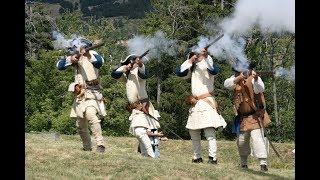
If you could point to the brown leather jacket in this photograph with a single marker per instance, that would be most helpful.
(250, 106)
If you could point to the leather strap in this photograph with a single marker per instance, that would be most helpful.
(202, 96)
(210, 103)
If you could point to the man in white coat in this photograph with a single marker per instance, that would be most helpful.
(143, 114)
(86, 106)
(203, 113)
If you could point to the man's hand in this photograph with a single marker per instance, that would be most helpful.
(193, 58)
(128, 67)
(85, 53)
(74, 58)
(160, 134)
(139, 62)
(204, 53)
(255, 75)
(239, 78)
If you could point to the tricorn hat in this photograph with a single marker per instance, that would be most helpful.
(71, 86)
(129, 59)
(76, 43)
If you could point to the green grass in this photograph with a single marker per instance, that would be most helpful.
(62, 158)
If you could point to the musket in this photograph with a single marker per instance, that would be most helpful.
(145, 53)
(214, 41)
(265, 134)
(259, 73)
(90, 48)
(140, 57)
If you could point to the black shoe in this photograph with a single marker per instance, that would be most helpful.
(87, 149)
(211, 161)
(199, 160)
(244, 166)
(263, 168)
(101, 148)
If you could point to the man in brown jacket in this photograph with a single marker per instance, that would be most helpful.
(251, 115)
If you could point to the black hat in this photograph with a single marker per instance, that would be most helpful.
(76, 43)
(252, 66)
(85, 43)
(129, 59)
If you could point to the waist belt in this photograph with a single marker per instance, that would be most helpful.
(93, 82)
(141, 105)
(202, 96)
(247, 114)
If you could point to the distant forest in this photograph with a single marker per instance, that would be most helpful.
(102, 8)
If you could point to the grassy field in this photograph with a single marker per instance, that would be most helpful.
(62, 158)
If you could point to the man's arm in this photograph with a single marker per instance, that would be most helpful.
(156, 134)
(184, 69)
(118, 72)
(96, 59)
(258, 85)
(142, 70)
(212, 67)
(229, 83)
(64, 63)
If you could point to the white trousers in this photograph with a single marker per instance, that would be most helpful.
(82, 126)
(144, 141)
(209, 133)
(258, 145)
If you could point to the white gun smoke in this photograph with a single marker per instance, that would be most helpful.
(157, 45)
(225, 48)
(267, 15)
(70, 45)
(288, 74)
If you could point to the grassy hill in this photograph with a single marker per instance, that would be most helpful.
(62, 158)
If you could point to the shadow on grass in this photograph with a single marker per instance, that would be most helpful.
(265, 174)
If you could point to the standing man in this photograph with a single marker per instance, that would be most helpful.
(203, 111)
(143, 115)
(85, 108)
(251, 115)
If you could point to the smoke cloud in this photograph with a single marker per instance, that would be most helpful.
(288, 74)
(269, 15)
(70, 45)
(227, 48)
(157, 45)
(266, 15)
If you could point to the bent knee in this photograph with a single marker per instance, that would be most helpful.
(140, 132)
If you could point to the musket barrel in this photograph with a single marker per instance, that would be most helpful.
(90, 48)
(95, 46)
(214, 41)
(145, 53)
